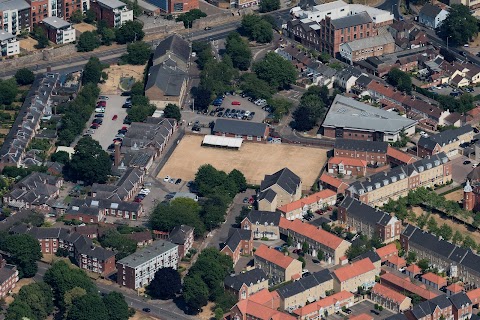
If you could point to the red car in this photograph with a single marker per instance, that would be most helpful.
(236, 103)
(124, 128)
(102, 103)
(115, 117)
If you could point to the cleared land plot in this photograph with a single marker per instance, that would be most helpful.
(116, 73)
(253, 159)
(455, 196)
(82, 27)
(28, 44)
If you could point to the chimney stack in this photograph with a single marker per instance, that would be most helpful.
(117, 155)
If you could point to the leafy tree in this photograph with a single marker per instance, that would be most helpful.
(217, 76)
(77, 16)
(275, 70)
(19, 310)
(218, 313)
(432, 225)
(88, 307)
(269, 5)
(108, 36)
(256, 88)
(36, 299)
(179, 211)
(24, 76)
(172, 111)
(130, 31)
(445, 231)
(195, 292)
(238, 50)
(311, 109)
(423, 264)
(305, 247)
(400, 79)
(468, 242)
(302, 260)
(60, 156)
(8, 91)
(139, 113)
(202, 96)
(226, 300)
(116, 305)
(90, 16)
(71, 295)
(24, 251)
(457, 237)
(88, 41)
(320, 255)
(137, 89)
(204, 55)
(256, 28)
(165, 285)
(459, 26)
(280, 107)
(411, 257)
(41, 37)
(138, 53)
(188, 17)
(120, 243)
(90, 163)
(93, 71)
(239, 179)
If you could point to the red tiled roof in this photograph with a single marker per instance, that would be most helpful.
(397, 261)
(400, 155)
(386, 292)
(307, 230)
(324, 194)
(324, 303)
(413, 268)
(474, 296)
(348, 161)
(354, 270)
(474, 112)
(432, 277)
(266, 298)
(387, 251)
(362, 316)
(253, 309)
(273, 256)
(455, 288)
(331, 180)
(407, 285)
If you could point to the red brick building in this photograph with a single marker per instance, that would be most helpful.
(250, 131)
(114, 12)
(373, 152)
(239, 242)
(183, 237)
(8, 277)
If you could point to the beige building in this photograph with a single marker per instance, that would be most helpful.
(278, 267)
(448, 141)
(317, 239)
(389, 298)
(358, 274)
(264, 224)
(305, 290)
(278, 189)
(319, 200)
(377, 189)
(362, 49)
(328, 306)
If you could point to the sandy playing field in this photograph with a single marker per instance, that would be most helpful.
(82, 27)
(116, 72)
(255, 160)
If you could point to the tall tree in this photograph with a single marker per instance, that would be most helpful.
(90, 163)
(121, 244)
(179, 211)
(8, 91)
(130, 31)
(24, 251)
(239, 179)
(88, 307)
(93, 71)
(88, 41)
(188, 17)
(460, 26)
(237, 48)
(172, 111)
(400, 79)
(138, 53)
(165, 284)
(277, 71)
(269, 5)
(24, 76)
(116, 305)
(256, 88)
(195, 293)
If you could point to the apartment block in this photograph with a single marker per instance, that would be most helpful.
(358, 274)
(138, 269)
(377, 189)
(317, 239)
(362, 218)
(443, 255)
(373, 152)
(115, 12)
(176, 7)
(305, 290)
(9, 45)
(278, 267)
(14, 16)
(58, 30)
(8, 277)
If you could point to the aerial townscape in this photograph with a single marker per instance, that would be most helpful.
(239, 160)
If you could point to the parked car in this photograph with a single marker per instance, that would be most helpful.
(90, 131)
(115, 117)
(212, 113)
(127, 105)
(207, 28)
(99, 115)
(166, 179)
(103, 98)
(178, 181)
(236, 103)
(126, 94)
(102, 103)
(172, 180)
(94, 126)
(220, 114)
(127, 121)
(467, 162)
(99, 121)
(245, 200)
(100, 110)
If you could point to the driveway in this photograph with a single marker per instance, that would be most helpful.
(460, 170)
(107, 131)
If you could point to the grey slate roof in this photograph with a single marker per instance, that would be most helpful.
(365, 43)
(372, 255)
(112, 4)
(360, 145)
(353, 20)
(4, 35)
(303, 284)
(169, 80)
(398, 316)
(56, 22)
(174, 44)
(284, 178)
(92, 206)
(365, 213)
(248, 278)
(268, 195)
(381, 179)
(7, 272)
(363, 81)
(235, 236)
(444, 138)
(460, 299)
(427, 308)
(179, 234)
(13, 5)
(145, 254)
(349, 113)
(430, 10)
(240, 127)
(264, 217)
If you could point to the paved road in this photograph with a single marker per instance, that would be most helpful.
(162, 309)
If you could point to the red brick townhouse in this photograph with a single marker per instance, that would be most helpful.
(239, 242)
(8, 277)
(250, 131)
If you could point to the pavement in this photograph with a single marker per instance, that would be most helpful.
(109, 128)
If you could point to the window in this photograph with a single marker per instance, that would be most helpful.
(259, 138)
